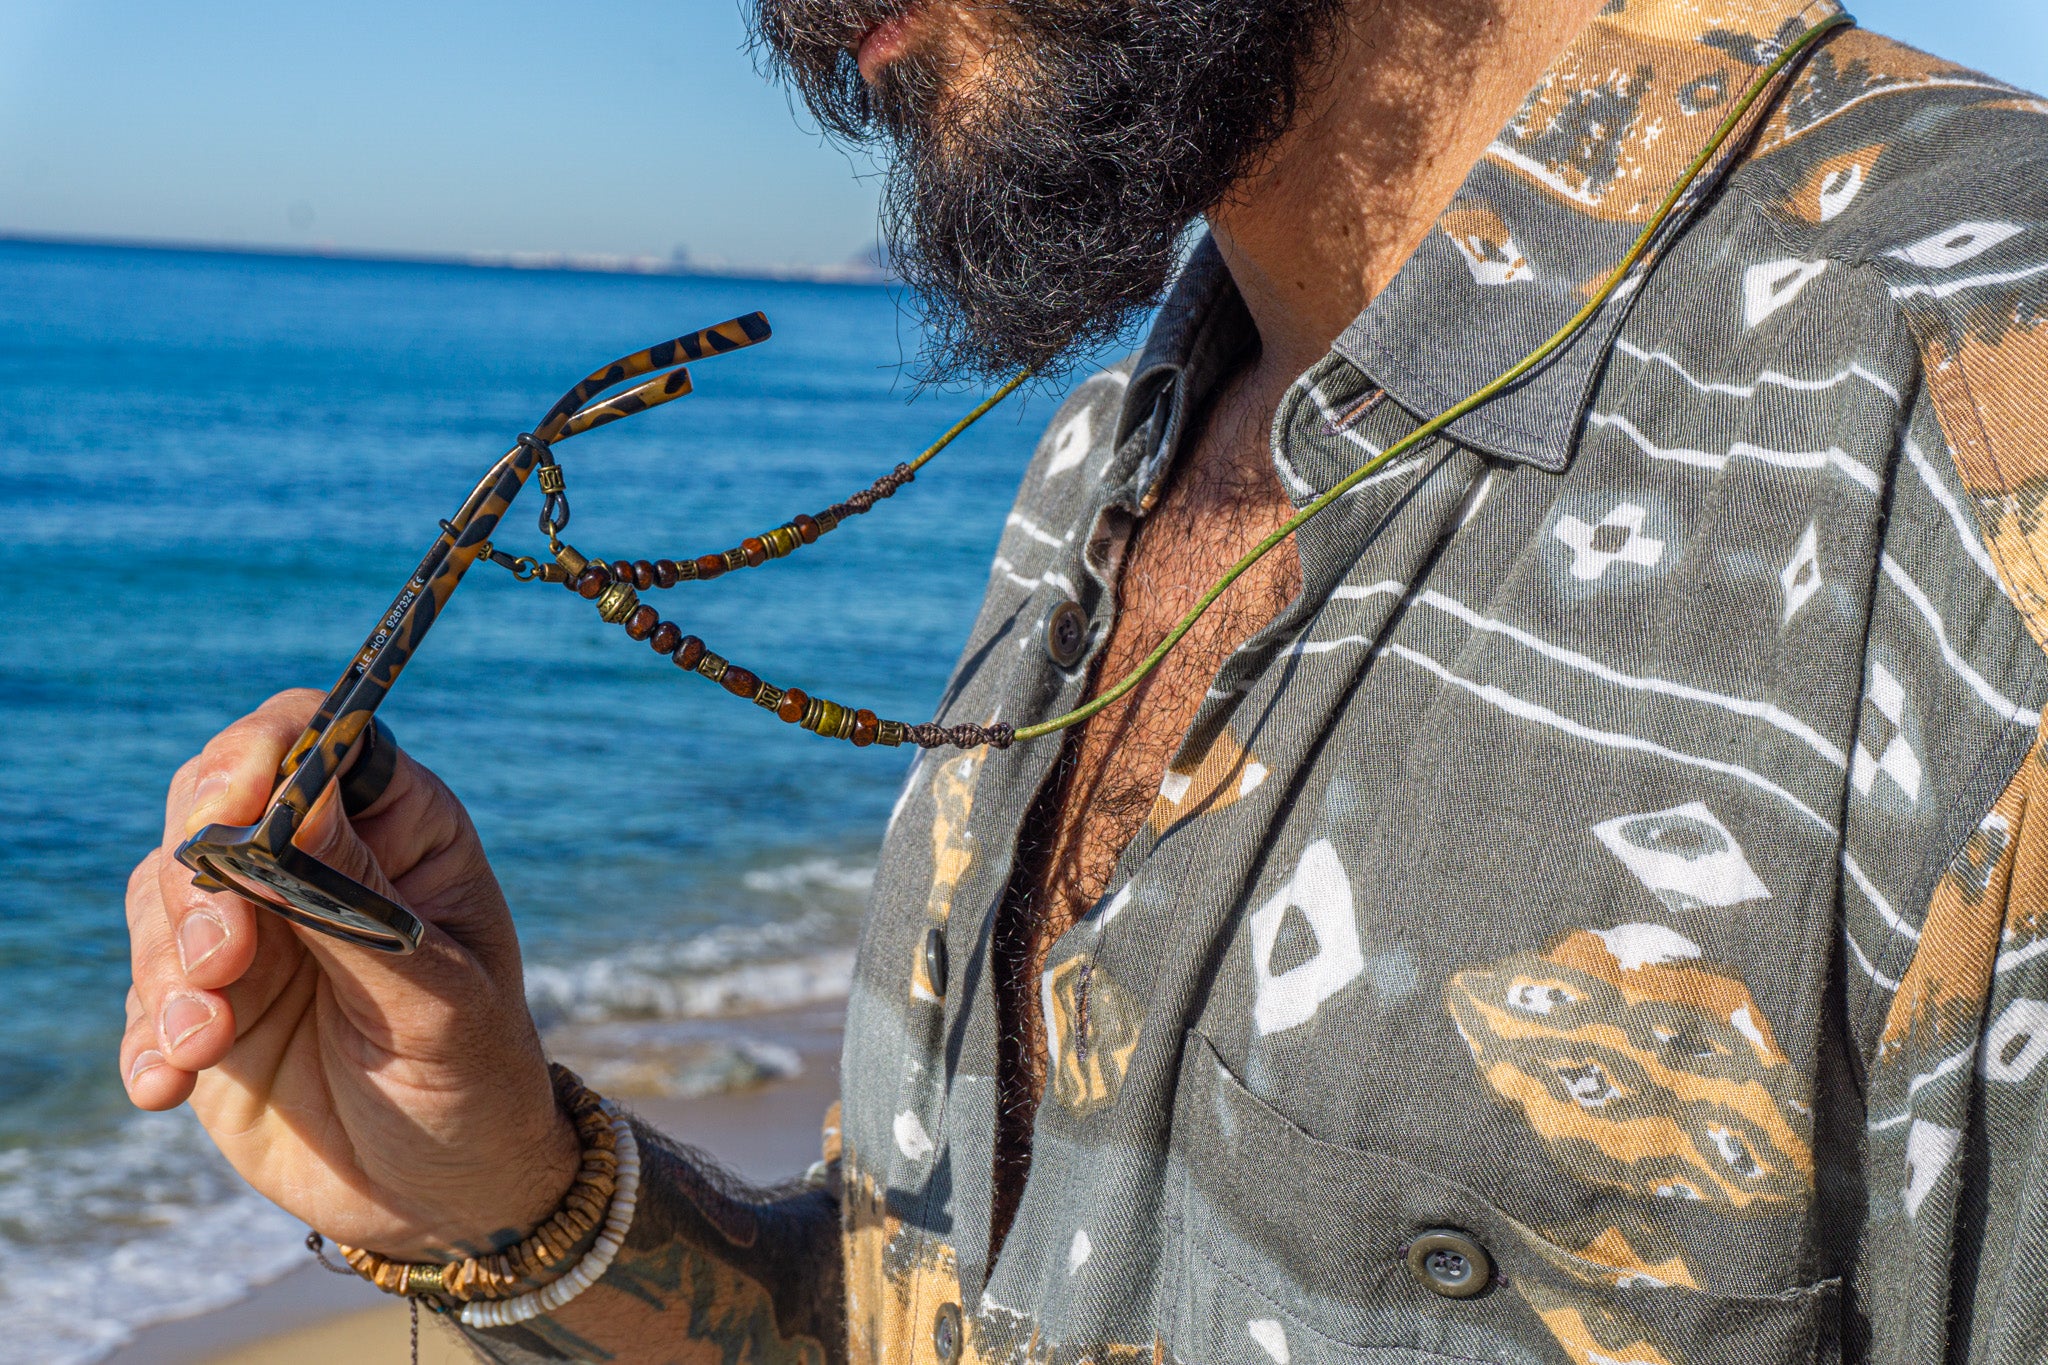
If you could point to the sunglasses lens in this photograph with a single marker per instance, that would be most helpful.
(276, 889)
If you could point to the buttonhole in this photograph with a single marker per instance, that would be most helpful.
(1355, 412)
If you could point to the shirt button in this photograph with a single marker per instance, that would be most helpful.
(946, 1333)
(935, 961)
(1448, 1262)
(1066, 634)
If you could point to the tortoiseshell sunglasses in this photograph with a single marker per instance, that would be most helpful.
(261, 862)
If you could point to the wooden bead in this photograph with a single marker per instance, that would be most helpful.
(643, 575)
(594, 581)
(755, 551)
(642, 622)
(664, 573)
(807, 527)
(666, 637)
(739, 682)
(622, 569)
(864, 726)
(710, 566)
(687, 653)
(793, 703)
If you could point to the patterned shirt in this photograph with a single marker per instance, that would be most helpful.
(1616, 865)
(1617, 855)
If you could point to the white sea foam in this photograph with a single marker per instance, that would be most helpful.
(104, 1237)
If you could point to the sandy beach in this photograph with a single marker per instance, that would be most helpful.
(765, 1132)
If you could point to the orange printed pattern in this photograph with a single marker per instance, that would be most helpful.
(1641, 1071)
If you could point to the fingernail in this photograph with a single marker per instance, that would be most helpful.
(184, 1016)
(200, 937)
(144, 1061)
(211, 791)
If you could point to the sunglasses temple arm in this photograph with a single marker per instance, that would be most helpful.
(651, 393)
(316, 756)
(732, 335)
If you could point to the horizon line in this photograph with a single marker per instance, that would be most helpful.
(856, 272)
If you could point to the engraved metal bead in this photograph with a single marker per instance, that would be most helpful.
(617, 602)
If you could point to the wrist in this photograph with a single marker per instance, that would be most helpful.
(529, 1199)
(503, 1265)
(507, 1199)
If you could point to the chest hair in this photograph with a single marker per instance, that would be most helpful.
(1221, 499)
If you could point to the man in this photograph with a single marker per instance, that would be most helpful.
(1577, 901)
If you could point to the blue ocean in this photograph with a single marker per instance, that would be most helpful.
(220, 467)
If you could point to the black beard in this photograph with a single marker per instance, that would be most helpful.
(1035, 217)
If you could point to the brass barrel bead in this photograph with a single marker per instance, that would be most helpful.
(643, 575)
(710, 566)
(666, 637)
(891, 733)
(616, 603)
(806, 528)
(755, 551)
(642, 622)
(782, 540)
(827, 520)
(791, 707)
(712, 666)
(593, 581)
(768, 698)
(740, 682)
(664, 573)
(830, 714)
(572, 561)
(688, 652)
(736, 558)
(864, 726)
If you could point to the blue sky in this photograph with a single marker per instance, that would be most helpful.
(634, 127)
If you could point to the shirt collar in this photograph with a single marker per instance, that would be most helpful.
(1540, 221)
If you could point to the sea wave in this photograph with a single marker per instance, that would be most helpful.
(798, 952)
(103, 1237)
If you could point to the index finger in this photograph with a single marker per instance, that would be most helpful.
(229, 782)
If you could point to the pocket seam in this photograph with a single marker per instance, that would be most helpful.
(1532, 1241)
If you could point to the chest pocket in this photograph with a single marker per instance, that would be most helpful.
(1293, 1250)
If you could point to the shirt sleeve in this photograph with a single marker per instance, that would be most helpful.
(1945, 838)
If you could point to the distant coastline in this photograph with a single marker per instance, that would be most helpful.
(862, 270)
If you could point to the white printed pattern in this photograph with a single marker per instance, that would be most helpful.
(1616, 538)
(1685, 856)
(1320, 892)
(1896, 759)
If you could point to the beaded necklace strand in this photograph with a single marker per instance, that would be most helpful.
(615, 586)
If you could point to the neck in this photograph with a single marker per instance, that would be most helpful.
(1407, 100)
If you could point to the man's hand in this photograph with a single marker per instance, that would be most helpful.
(397, 1103)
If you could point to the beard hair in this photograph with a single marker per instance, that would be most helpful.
(1037, 214)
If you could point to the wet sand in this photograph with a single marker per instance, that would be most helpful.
(765, 1133)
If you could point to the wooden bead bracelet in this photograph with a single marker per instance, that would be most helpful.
(544, 1254)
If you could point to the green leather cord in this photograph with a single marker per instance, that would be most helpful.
(971, 418)
(1430, 428)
